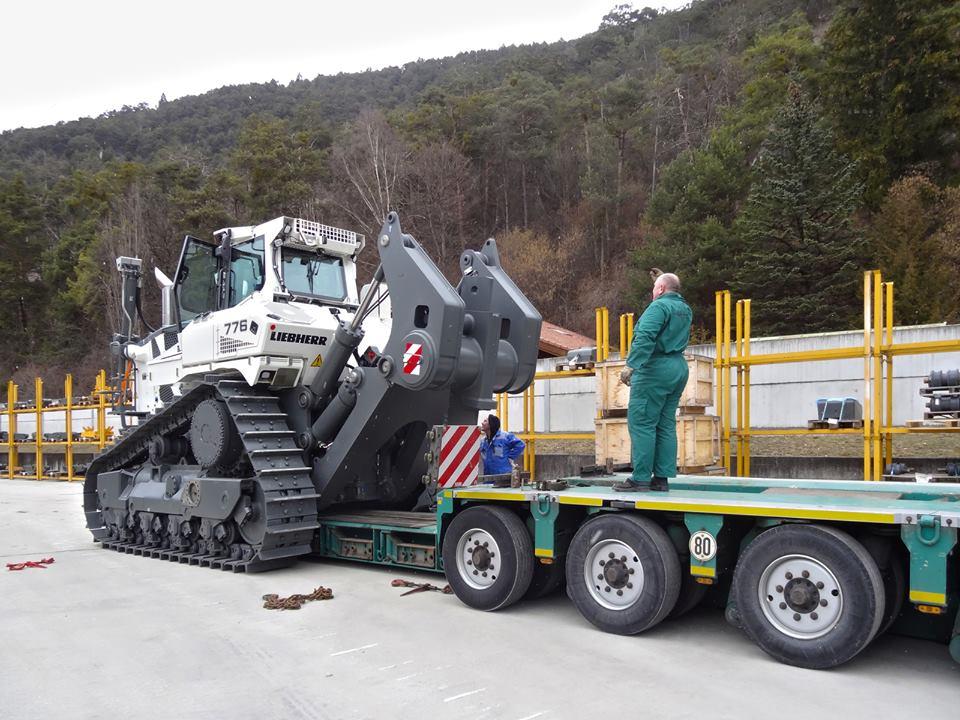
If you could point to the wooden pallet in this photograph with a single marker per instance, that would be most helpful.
(833, 425)
(702, 470)
(934, 422)
(945, 415)
(567, 367)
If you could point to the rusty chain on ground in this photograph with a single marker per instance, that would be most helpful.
(295, 602)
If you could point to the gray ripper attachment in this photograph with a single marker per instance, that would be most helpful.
(447, 353)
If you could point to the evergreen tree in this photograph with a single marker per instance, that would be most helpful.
(914, 238)
(22, 288)
(893, 79)
(800, 250)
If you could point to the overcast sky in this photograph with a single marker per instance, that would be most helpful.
(64, 60)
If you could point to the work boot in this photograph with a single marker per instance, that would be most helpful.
(658, 484)
(630, 485)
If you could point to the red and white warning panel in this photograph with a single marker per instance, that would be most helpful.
(412, 358)
(458, 455)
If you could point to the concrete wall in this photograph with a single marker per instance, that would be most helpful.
(786, 395)
(781, 395)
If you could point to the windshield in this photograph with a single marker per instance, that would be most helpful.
(306, 273)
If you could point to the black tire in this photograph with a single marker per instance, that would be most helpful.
(794, 623)
(652, 552)
(547, 579)
(512, 565)
(691, 595)
(895, 590)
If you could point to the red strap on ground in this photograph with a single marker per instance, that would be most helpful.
(30, 563)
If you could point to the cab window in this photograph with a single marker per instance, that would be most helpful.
(246, 269)
(313, 274)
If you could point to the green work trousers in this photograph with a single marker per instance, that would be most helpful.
(655, 391)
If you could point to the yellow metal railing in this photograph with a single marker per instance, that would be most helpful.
(529, 434)
(39, 447)
(877, 351)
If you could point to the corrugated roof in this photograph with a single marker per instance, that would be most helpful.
(556, 341)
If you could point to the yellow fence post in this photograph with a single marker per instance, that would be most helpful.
(888, 439)
(533, 430)
(68, 425)
(718, 360)
(12, 458)
(623, 337)
(526, 426)
(599, 330)
(877, 373)
(746, 389)
(102, 409)
(630, 323)
(739, 352)
(606, 333)
(38, 446)
(726, 380)
(867, 407)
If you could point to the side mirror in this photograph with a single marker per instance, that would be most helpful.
(167, 298)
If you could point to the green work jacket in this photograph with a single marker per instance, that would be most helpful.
(663, 329)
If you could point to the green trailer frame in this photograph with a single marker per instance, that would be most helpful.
(734, 511)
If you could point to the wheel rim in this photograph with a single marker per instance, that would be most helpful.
(613, 574)
(800, 596)
(478, 559)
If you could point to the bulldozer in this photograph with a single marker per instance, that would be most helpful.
(275, 390)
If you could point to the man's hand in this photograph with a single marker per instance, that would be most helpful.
(625, 375)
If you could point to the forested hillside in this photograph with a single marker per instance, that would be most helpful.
(774, 147)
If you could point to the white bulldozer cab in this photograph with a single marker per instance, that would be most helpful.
(259, 301)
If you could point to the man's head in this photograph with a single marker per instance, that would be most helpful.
(490, 425)
(667, 282)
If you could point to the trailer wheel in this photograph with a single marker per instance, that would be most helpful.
(623, 573)
(546, 579)
(895, 591)
(809, 595)
(488, 557)
(691, 595)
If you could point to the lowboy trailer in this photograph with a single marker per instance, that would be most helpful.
(811, 570)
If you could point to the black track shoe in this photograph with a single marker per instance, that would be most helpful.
(658, 484)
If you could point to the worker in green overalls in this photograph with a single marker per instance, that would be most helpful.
(656, 372)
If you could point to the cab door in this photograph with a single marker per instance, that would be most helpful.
(196, 291)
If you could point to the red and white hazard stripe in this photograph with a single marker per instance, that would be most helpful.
(411, 358)
(459, 456)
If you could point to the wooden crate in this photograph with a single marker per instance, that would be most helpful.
(699, 389)
(613, 396)
(612, 441)
(698, 441)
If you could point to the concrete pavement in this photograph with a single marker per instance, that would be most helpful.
(99, 634)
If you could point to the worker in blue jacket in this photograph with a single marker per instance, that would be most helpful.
(498, 448)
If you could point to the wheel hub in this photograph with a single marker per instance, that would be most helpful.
(613, 574)
(616, 573)
(481, 557)
(800, 596)
(478, 559)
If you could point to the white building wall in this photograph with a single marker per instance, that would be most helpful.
(785, 395)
